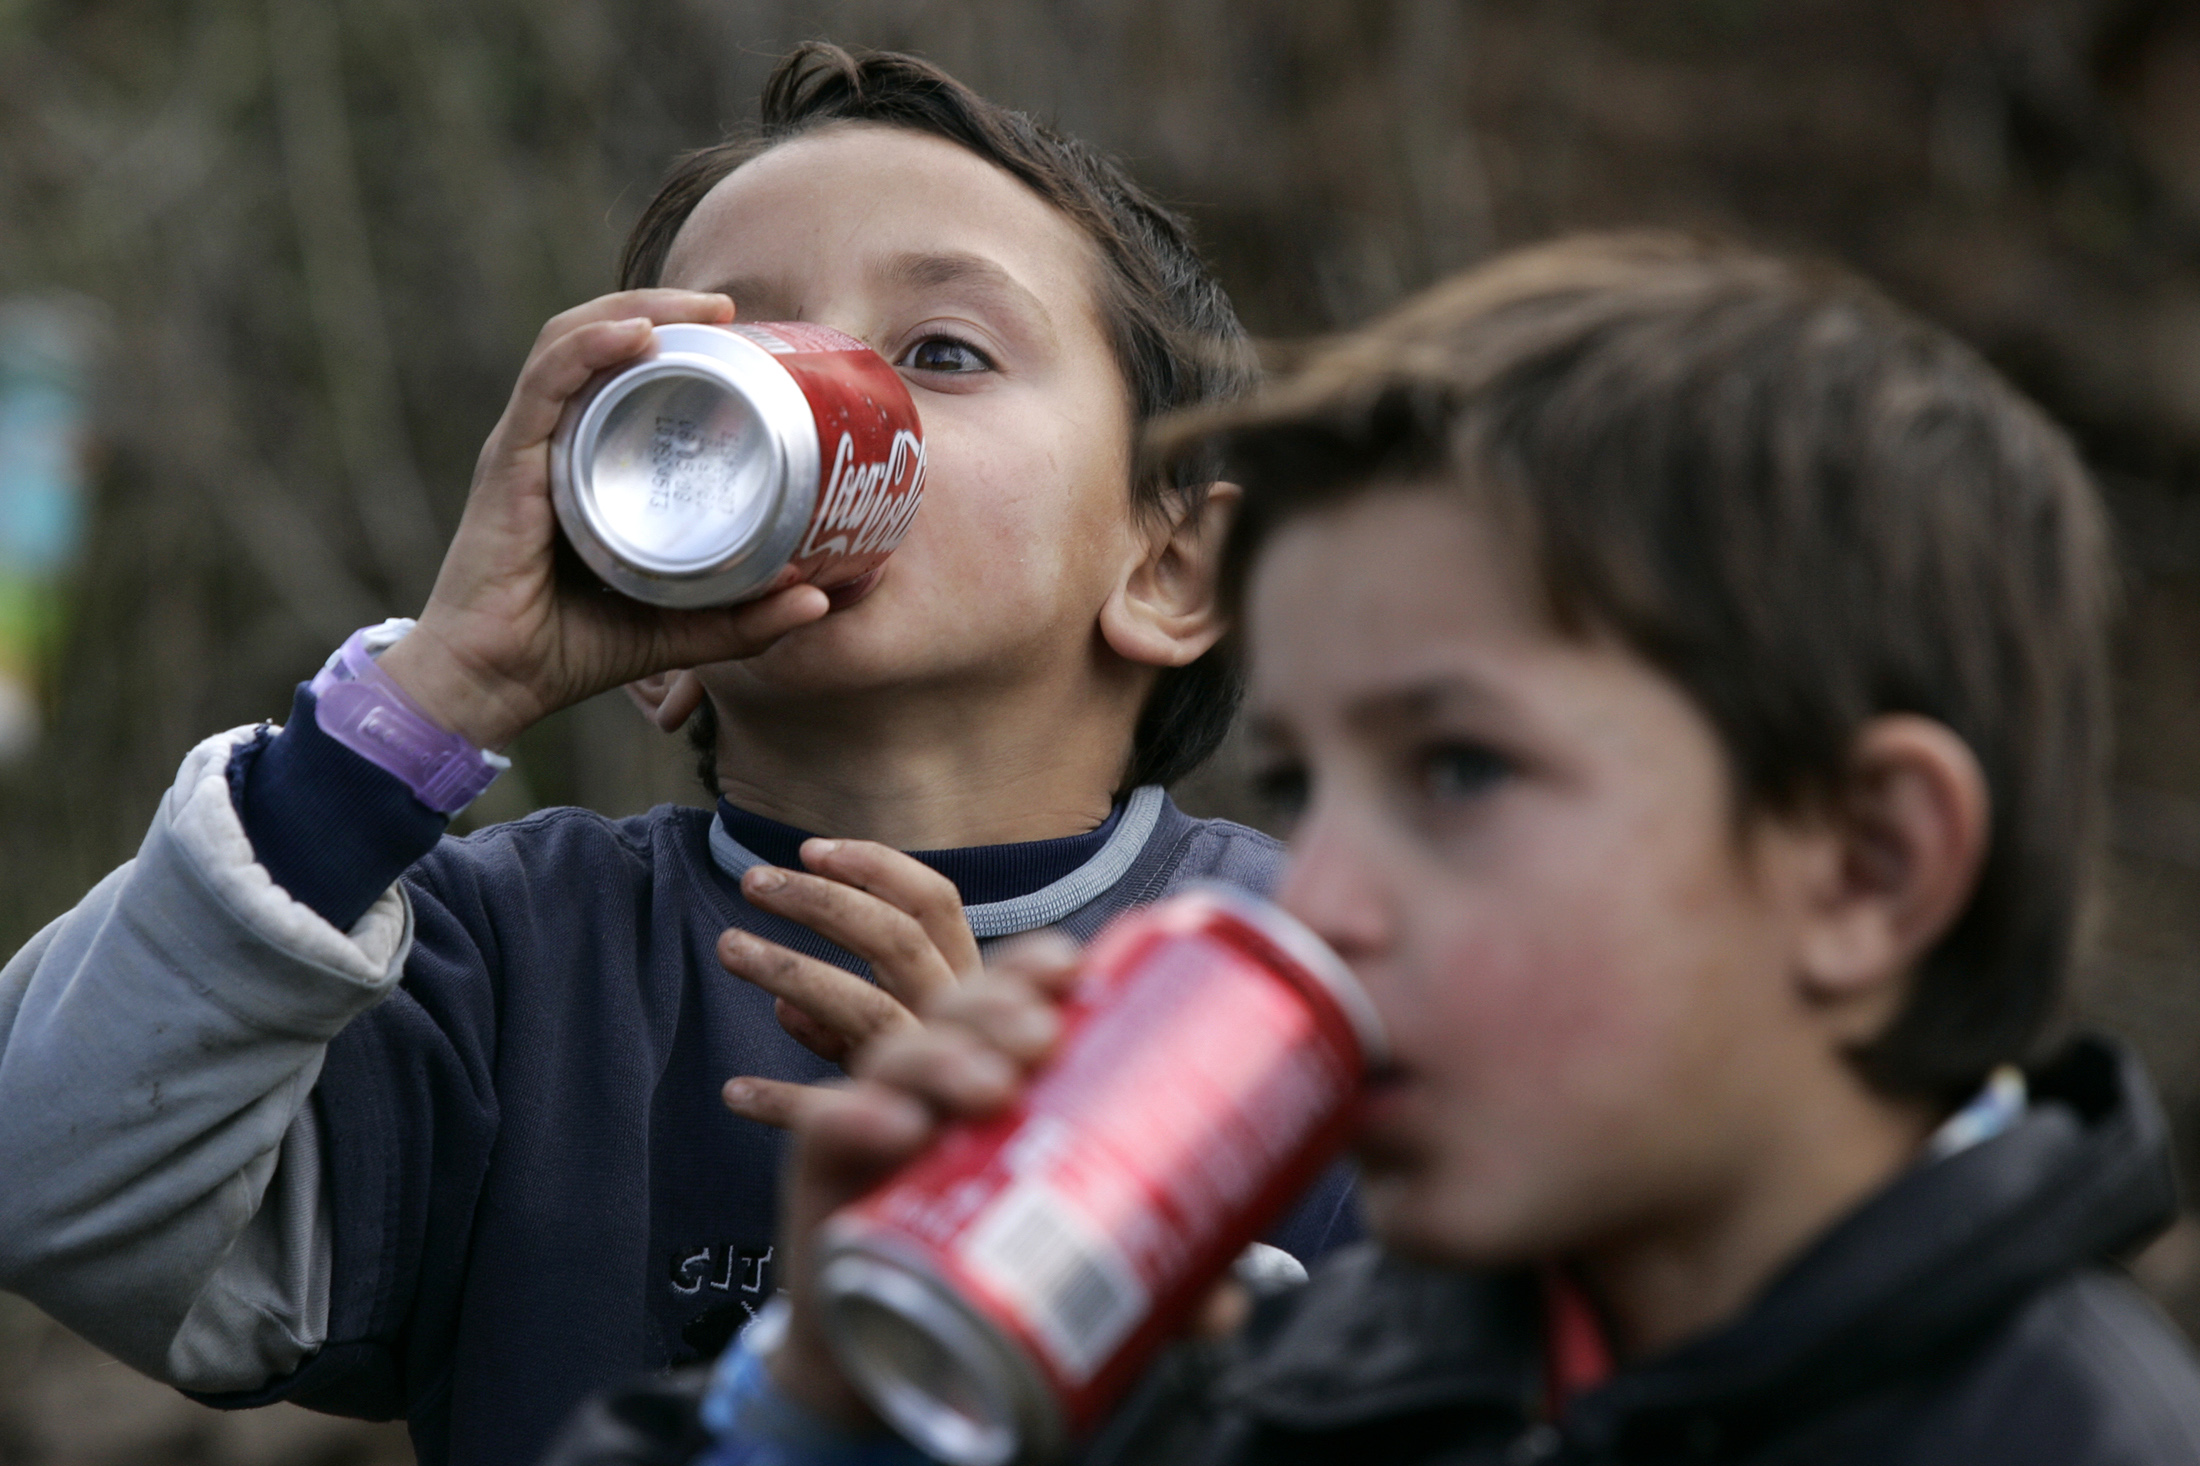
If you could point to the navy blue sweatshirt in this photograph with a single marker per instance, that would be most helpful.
(536, 1190)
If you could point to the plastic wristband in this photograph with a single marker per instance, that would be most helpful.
(753, 1424)
(357, 704)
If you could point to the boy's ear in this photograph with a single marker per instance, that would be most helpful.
(668, 699)
(1901, 857)
(1165, 612)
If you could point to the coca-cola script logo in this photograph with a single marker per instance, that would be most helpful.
(867, 507)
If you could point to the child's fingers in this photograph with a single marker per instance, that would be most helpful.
(897, 945)
(1046, 961)
(952, 1069)
(840, 1001)
(659, 304)
(732, 633)
(773, 1102)
(809, 1033)
(909, 884)
(1011, 1016)
(1224, 1311)
(851, 1135)
(556, 371)
(669, 698)
(579, 343)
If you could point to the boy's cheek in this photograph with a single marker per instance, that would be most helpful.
(1519, 1007)
(1015, 550)
(1533, 1058)
(1461, 1203)
(1500, 1190)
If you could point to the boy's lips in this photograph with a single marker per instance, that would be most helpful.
(1389, 1071)
(840, 597)
(1385, 1091)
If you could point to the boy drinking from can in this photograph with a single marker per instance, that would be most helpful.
(1685, 671)
(308, 1102)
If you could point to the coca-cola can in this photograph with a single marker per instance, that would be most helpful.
(993, 1297)
(694, 477)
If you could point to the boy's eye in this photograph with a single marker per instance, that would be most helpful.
(1282, 790)
(1461, 771)
(944, 354)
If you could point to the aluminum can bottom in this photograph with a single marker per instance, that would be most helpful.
(1003, 1290)
(945, 1376)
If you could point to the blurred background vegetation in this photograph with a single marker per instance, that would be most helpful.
(303, 246)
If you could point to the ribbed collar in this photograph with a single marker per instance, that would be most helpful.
(1005, 888)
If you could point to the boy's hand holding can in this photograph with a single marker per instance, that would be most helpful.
(513, 631)
(969, 1059)
(1187, 1075)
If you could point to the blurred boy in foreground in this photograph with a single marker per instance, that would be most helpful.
(1686, 673)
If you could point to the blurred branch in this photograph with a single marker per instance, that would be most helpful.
(285, 541)
(1443, 166)
(307, 575)
(306, 63)
(2155, 824)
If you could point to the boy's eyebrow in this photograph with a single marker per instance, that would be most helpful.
(919, 270)
(745, 291)
(1419, 702)
(973, 273)
(1422, 702)
(1265, 728)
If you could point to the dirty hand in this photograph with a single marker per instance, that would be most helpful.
(970, 1057)
(509, 635)
(896, 913)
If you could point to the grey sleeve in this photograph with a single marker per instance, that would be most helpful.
(160, 1177)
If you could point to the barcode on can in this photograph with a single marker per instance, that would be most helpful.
(1070, 1283)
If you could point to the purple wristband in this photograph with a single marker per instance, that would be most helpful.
(357, 704)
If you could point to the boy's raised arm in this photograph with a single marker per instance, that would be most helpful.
(163, 1191)
(157, 1045)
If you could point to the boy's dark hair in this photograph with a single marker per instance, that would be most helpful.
(1803, 504)
(1176, 337)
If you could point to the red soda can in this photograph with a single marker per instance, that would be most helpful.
(996, 1295)
(694, 477)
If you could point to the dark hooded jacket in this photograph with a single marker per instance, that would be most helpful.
(1972, 1312)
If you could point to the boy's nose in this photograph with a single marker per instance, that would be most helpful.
(1330, 885)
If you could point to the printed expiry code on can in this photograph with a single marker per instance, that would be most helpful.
(1072, 1286)
(691, 469)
